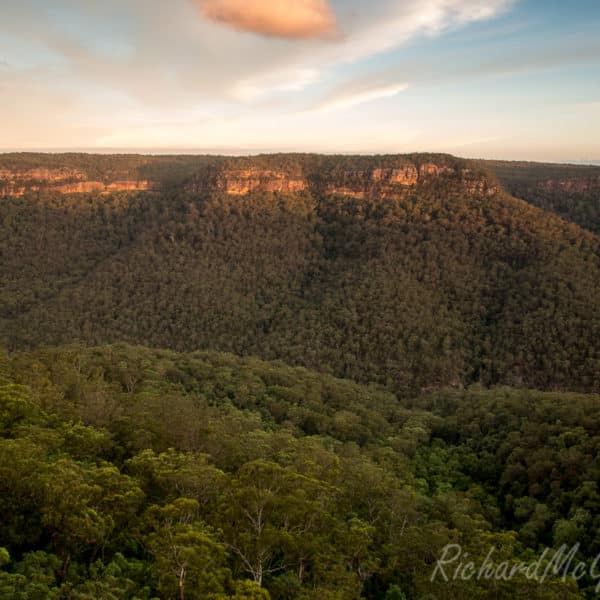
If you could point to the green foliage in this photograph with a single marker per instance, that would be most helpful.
(395, 593)
(131, 473)
(199, 476)
(15, 407)
(4, 557)
(187, 559)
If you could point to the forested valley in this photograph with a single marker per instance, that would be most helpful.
(295, 377)
(133, 473)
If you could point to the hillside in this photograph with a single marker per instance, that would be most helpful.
(133, 473)
(414, 271)
(571, 191)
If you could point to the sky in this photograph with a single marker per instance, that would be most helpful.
(511, 79)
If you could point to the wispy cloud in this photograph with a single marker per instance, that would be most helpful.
(296, 19)
(388, 25)
(288, 80)
(344, 99)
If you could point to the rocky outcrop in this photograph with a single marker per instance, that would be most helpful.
(142, 185)
(355, 177)
(65, 181)
(432, 170)
(241, 182)
(396, 183)
(17, 182)
(79, 187)
(42, 175)
(407, 175)
(379, 182)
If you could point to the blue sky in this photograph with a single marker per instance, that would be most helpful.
(515, 79)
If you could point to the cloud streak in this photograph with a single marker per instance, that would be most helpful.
(348, 99)
(294, 19)
(389, 25)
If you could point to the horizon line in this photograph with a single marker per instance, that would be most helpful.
(257, 152)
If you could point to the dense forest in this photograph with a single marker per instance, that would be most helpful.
(450, 282)
(571, 191)
(296, 377)
(132, 473)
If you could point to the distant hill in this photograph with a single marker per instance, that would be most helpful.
(415, 271)
(571, 191)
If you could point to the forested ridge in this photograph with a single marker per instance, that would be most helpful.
(293, 377)
(133, 473)
(415, 272)
(571, 191)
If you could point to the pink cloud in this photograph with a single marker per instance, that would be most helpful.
(296, 19)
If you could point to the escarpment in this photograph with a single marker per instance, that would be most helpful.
(239, 182)
(343, 177)
(63, 180)
(386, 177)
(382, 182)
(42, 175)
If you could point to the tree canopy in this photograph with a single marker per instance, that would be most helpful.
(132, 473)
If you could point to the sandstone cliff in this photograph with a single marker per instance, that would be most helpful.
(245, 181)
(392, 177)
(42, 175)
(63, 180)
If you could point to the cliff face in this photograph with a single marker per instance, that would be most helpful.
(241, 182)
(382, 182)
(17, 182)
(63, 180)
(405, 176)
(42, 175)
(432, 170)
(141, 185)
(398, 182)
(356, 177)
(356, 183)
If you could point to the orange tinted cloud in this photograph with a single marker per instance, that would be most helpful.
(297, 19)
